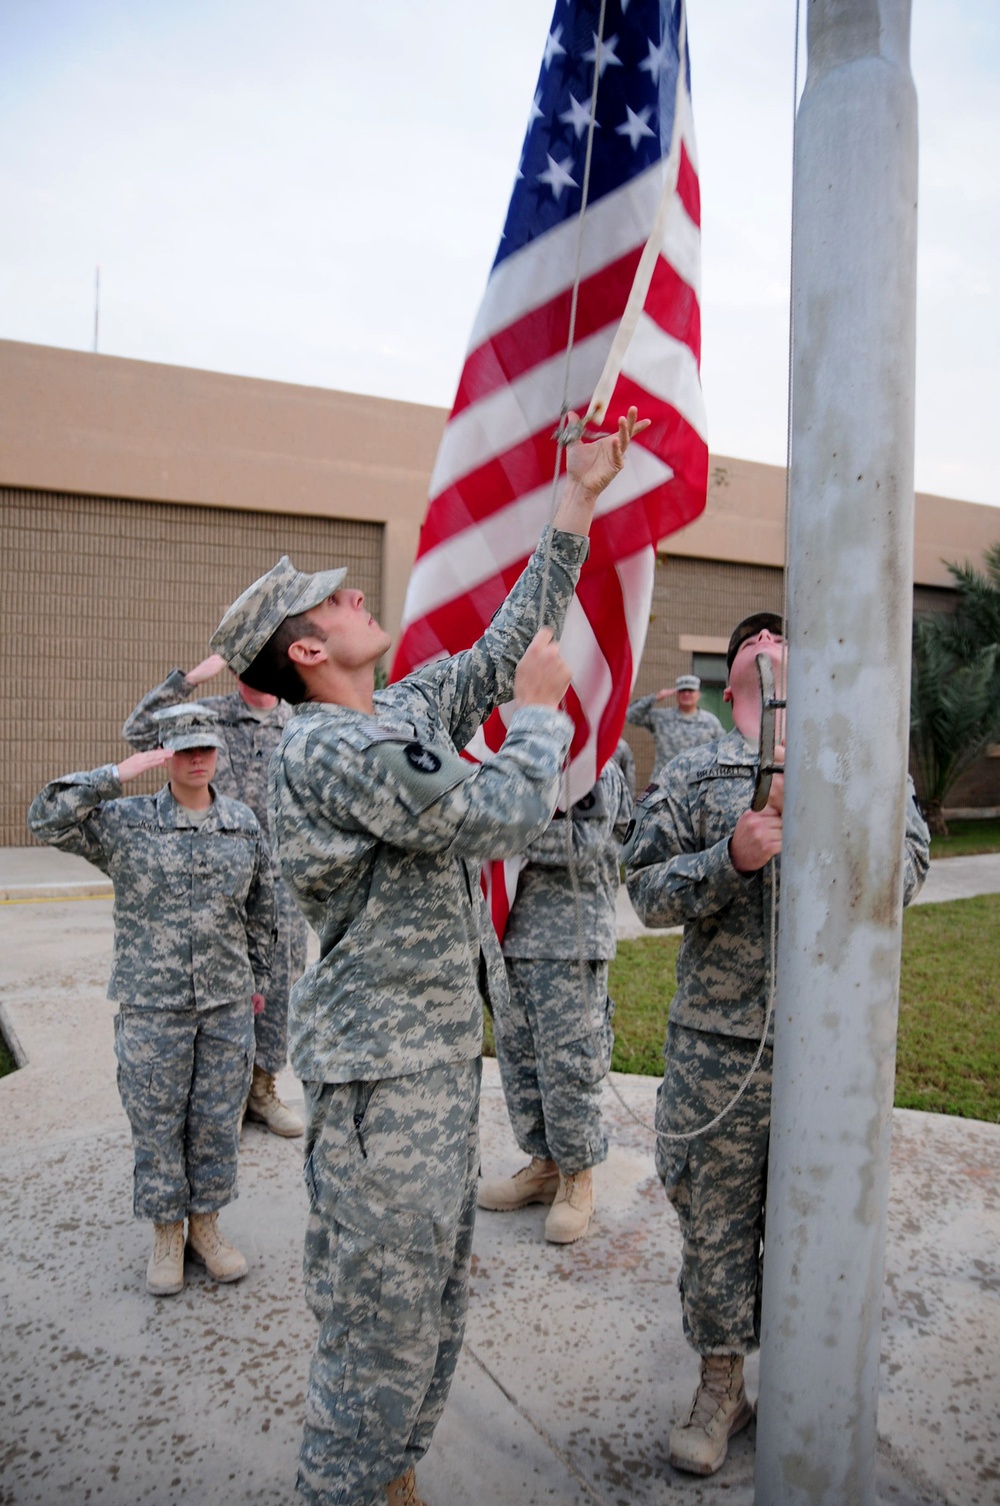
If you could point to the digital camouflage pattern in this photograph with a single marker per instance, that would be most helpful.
(566, 892)
(183, 1077)
(248, 738)
(194, 899)
(194, 928)
(553, 1035)
(678, 871)
(392, 1169)
(257, 614)
(717, 1183)
(554, 1039)
(381, 829)
(672, 731)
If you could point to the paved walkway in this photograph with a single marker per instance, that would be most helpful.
(574, 1362)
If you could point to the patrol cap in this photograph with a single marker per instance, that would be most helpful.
(189, 726)
(262, 608)
(755, 623)
(687, 682)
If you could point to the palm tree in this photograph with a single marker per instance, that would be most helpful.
(976, 621)
(954, 708)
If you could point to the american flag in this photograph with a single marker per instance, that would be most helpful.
(587, 199)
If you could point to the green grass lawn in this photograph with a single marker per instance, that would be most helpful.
(966, 838)
(948, 1053)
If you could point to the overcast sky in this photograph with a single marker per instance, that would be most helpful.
(312, 191)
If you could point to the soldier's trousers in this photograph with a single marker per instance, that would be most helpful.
(287, 965)
(717, 1183)
(553, 1044)
(391, 1169)
(183, 1077)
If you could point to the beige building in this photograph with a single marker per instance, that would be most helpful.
(138, 500)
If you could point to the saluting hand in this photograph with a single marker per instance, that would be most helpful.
(206, 670)
(137, 763)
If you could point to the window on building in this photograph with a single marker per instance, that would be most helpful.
(711, 670)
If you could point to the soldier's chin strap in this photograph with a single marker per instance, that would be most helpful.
(770, 705)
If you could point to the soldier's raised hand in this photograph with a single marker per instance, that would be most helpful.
(206, 670)
(542, 678)
(137, 763)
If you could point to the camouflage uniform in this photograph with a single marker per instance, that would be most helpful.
(249, 739)
(381, 829)
(673, 731)
(678, 870)
(194, 927)
(554, 1036)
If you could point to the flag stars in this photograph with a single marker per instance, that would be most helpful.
(635, 127)
(536, 110)
(578, 116)
(557, 175)
(657, 60)
(553, 46)
(608, 58)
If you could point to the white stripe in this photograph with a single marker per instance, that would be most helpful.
(455, 566)
(514, 412)
(668, 370)
(545, 267)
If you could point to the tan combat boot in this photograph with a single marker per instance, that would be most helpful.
(569, 1217)
(265, 1106)
(403, 1492)
(224, 1263)
(165, 1271)
(536, 1183)
(720, 1409)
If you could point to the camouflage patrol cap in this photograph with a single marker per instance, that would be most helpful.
(262, 608)
(189, 726)
(755, 623)
(687, 682)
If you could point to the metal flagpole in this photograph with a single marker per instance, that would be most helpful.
(850, 551)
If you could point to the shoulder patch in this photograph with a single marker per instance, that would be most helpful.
(423, 774)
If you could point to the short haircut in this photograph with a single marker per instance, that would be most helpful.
(272, 671)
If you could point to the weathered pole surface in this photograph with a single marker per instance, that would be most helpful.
(850, 562)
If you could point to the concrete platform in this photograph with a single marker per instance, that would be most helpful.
(574, 1363)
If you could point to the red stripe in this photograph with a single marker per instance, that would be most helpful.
(688, 188)
(543, 331)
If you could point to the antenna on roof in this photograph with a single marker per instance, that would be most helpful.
(97, 302)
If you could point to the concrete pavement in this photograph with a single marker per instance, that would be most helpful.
(574, 1363)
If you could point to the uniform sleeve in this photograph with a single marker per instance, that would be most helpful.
(670, 880)
(586, 835)
(70, 813)
(637, 715)
(428, 800)
(718, 730)
(916, 847)
(140, 730)
(261, 908)
(466, 688)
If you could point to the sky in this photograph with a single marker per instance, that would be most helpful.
(313, 192)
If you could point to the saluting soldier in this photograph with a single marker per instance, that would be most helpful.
(674, 728)
(699, 856)
(554, 1035)
(194, 929)
(381, 829)
(250, 725)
